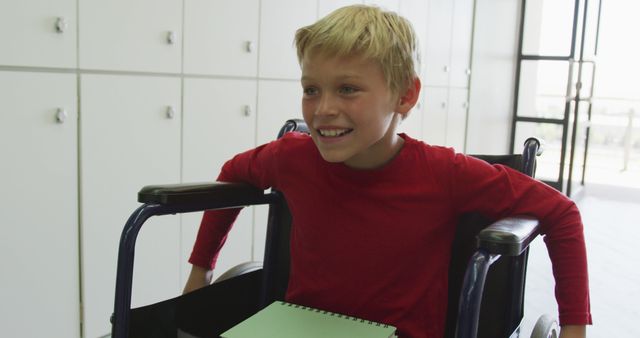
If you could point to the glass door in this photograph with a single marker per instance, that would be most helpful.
(554, 83)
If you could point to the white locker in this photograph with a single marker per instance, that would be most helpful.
(279, 20)
(130, 137)
(449, 35)
(417, 11)
(457, 118)
(219, 122)
(437, 61)
(38, 33)
(278, 101)
(461, 40)
(447, 69)
(221, 37)
(39, 290)
(434, 122)
(142, 35)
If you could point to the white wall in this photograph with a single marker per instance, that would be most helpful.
(493, 60)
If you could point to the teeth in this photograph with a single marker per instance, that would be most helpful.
(333, 132)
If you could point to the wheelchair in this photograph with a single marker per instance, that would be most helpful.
(486, 274)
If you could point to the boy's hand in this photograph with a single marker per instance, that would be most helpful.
(198, 278)
(573, 331)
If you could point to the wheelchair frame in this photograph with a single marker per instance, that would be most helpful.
(506, 237)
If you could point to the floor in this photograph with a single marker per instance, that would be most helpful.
(611, 234)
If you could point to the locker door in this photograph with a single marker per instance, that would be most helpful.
(219, 122)
(39, 218)
(130, 137)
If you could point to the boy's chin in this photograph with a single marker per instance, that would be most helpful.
(332, 156)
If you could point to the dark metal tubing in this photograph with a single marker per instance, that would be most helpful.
(539, 120)
(293, 125)
(471, 294)
(273, 261)
(523, 5)
(595, 51)
(532, 148)
(120, 317)
(565, 126)
(576, 10)
(126, 253)
(517, 282)
(563, 148)
(545, 58)
(576, 107)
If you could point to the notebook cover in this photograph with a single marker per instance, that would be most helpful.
(286, 320)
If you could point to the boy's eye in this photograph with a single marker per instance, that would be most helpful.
(347, 90)
(310, 91)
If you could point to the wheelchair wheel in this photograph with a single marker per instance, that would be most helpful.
(546, 327)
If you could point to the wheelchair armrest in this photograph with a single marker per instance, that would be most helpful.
(216, 193)
(509, 236)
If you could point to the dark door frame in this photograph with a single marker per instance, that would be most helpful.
(561, 183)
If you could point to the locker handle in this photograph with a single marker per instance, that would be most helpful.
(61, 115)
(171, 37)
(171, 113)
(249, 46)
(61, 25)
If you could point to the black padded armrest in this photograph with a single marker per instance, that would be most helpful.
(509, 236)
(216, 193)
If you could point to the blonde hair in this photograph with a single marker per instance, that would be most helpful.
(381, 36)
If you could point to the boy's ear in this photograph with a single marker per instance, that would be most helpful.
(410, 97)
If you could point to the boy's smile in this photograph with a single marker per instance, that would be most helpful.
(350, 111)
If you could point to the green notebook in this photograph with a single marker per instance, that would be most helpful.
(286, 320)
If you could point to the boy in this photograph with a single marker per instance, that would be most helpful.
(374, 212)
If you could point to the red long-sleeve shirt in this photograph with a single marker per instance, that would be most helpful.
(376, 243)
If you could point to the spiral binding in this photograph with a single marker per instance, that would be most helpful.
(333, 314)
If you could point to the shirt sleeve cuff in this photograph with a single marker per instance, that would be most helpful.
(576, 319)
(202, 261)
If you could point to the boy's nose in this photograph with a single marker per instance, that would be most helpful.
(327, 106)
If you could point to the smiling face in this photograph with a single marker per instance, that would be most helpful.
(350, 111)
